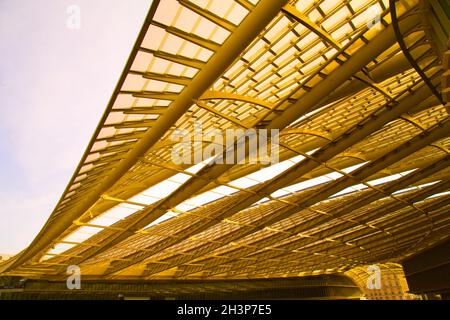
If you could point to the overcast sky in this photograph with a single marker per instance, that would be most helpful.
(55, 83)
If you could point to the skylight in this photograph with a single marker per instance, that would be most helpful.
(161, 190)
(415, 187)
(265, 174)
(115, 214)
(375, 182)
(314, 181)
(168, 215)
(438, 195)
(389, 178)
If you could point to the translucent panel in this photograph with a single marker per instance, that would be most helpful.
(167, 12)
(243, 182)
(353, 168)
(345, 29)
(354, 188)
(313, 51)
(153, 38)
(328, 5)
(81, 234)
(197, 167)
(203, 54)
(123, 210)
(367, 15)
(180, 178)
(173, 44)
(237, 14)
(446, 193)
(115, 214)
(104, 221)
(415, 187)
(220, 35)
(124, 100)
(187, 20)
(278, 28)
(314, 15)
(60, 248)
(334, 19)
(45, 257)
(274, 170)
(308, 184)
(334, 175)
(164, 217)
(313, 64)
(265, 199)
(142, 61)
(309, 114)
(144, 199)
(257, 47)
(315, 181)
(160, 65)
(224, 190)
(303, 5)
(204, 198)
(161, 189)
(358, 4)
(154, 85)
(389, 178)
(280, 193)
(185, 207)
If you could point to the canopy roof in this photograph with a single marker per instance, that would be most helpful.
(364, 146)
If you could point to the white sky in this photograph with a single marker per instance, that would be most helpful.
(54, 86)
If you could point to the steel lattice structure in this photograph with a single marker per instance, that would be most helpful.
(364, 146)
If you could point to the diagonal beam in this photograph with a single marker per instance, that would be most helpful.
(212, 95)
(296, 15)
(205, 43)
(177, 58)
(210, 16)
(184, 81)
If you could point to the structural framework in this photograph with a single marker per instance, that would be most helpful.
(357, 90)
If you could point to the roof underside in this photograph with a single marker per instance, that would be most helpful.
(363, 146)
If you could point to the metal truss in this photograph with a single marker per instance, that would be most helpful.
(363, 135)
